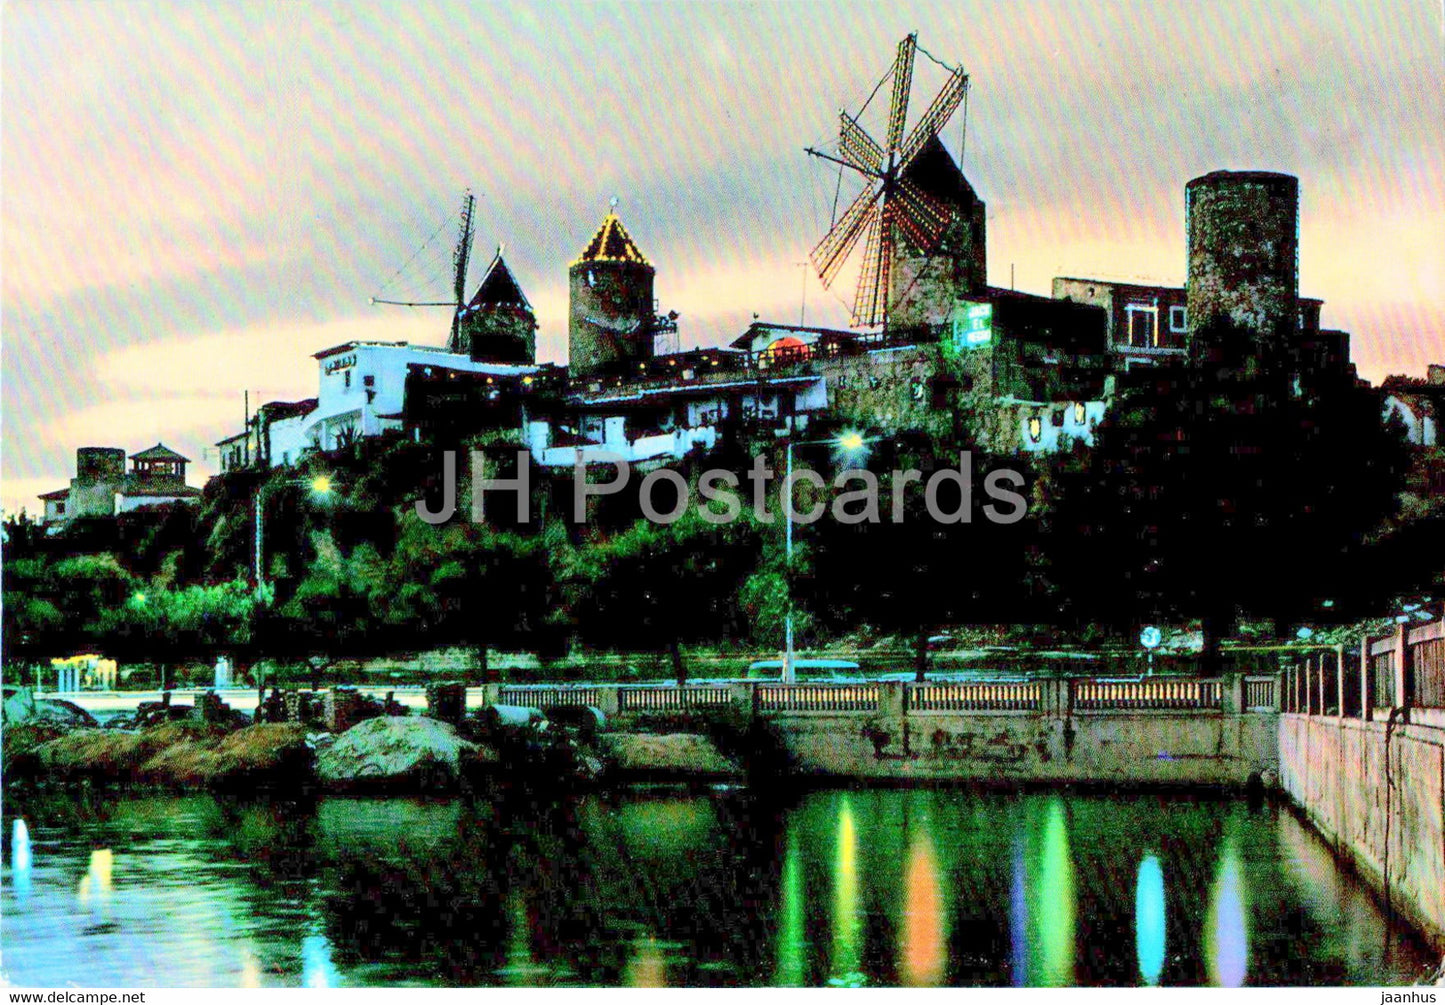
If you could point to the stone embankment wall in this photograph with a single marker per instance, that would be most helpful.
(1376, 791)
(1362, 753)
(1157, 731)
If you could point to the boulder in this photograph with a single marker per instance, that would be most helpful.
(209, 755)
(21, 738)
(675, 755)
(391, 753)
(85, 754)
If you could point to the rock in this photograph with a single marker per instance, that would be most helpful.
(209, 755)
(390, 753)
(99, 755)
(22, 738)
(677, 755)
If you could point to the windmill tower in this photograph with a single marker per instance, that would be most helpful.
(612, 314)
(920, 220)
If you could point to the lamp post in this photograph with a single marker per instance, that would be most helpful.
(847, 443)
(320, 486)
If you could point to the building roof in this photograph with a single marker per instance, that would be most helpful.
(285, 409)
(346, 346)
(159, 452)
(611, 243)
(618, 397)
(745, 340)
(147, 490)
(499, 289)
(233, 439)
(57, 494)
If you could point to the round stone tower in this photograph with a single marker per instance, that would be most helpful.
(1244, 256)
(612, 308)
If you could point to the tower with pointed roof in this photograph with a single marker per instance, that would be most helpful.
(498, 325)
(612, 311)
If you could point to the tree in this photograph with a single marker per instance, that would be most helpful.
(925, 570)
(660, 586)
(1215, 491)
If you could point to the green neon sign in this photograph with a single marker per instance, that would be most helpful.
(972, 325)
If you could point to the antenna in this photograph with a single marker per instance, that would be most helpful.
(803, 305)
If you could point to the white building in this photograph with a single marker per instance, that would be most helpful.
(666, 422)
(361, 393)
(1417, 413)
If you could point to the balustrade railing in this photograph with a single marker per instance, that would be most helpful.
(542, 697)
(1261, 694)
(979, 696)
(1151, 694)
(817, 697)
(671, 699)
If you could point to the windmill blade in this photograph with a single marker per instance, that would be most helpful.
(870, 302)
(857, 147)
(937, 116)
(902, 84)
(921, 217)
(832, 250)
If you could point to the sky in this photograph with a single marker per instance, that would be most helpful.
(194, 198)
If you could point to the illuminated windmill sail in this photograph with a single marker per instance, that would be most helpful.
(892, 206)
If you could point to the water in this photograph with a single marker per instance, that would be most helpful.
(859, 887)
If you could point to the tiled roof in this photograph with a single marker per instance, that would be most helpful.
(57, 494)
(159, 452)
(611, 243)
(499, 289)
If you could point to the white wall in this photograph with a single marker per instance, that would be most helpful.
(1053, 438)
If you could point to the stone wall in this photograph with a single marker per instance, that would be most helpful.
(1377, 794)
(1051, 745)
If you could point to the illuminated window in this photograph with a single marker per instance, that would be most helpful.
(1142, 325)
(1036, 429)
(1078, 413)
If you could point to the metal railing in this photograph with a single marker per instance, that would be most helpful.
(983, 696)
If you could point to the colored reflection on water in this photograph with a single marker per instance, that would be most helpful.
(1227, 931)
(1149, 926)
(96, 884)
(20, 858)
(865, 887)
(923, 947)
(1054, 917)
(845, 897)
(647, 967)
(317, 970)
(1019, 914)
(791, 938)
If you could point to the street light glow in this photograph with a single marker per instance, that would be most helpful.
(321, 485)
(138, 598)
(850, 441)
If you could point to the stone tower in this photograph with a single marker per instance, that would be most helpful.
(498, 325)
(612, 310)
(1244, 260)
(926, 287)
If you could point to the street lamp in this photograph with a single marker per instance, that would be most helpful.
(848, 443)
(320, 486)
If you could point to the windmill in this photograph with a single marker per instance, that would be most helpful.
(892, 206)
(461, 258)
